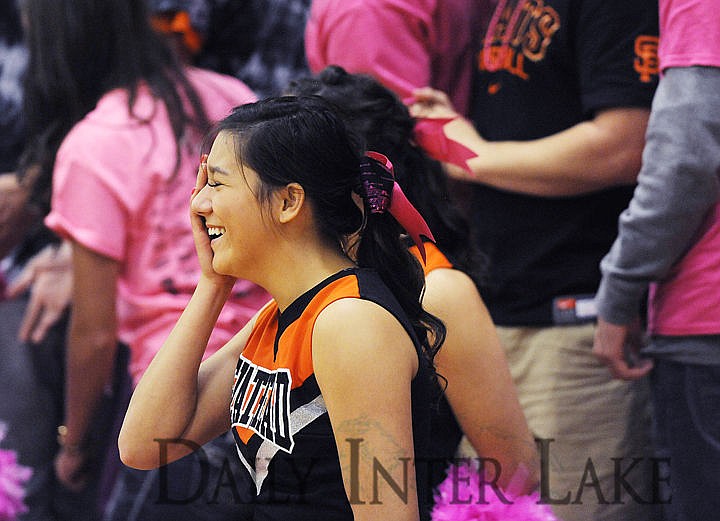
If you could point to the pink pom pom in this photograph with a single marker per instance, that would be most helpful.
(12, 483)
(463, 496)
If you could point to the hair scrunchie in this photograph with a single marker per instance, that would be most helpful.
(382, 194)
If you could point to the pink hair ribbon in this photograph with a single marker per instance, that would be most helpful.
(382, 194)
(430, 136)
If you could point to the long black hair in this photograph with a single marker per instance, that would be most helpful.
(80, 50)
(302, 139)
(385, 125)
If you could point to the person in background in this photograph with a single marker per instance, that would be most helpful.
(403, 44)
(560, 107)
(479, 397)
(668, 242)
(31, 349)
(115, 121)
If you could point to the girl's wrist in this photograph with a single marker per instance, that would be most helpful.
(212, 293)
(219, 284)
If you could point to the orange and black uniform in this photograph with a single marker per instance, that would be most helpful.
(279, 419)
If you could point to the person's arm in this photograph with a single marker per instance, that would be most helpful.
(480, 389)
(595, 154)
(677, 186)
(90, 355)
(178, 397)
(602, 152)
(364, 363)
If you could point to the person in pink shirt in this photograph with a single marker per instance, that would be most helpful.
(117, 124)
(404, 44)
(668, 242)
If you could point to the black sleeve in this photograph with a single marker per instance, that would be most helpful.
(616, 52)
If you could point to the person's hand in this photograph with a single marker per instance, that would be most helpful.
(427, 102)
(200, 205)
(70, 469)
(444, 134)
(618, 347)
(49, 278)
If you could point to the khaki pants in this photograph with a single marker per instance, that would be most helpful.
(592, 430)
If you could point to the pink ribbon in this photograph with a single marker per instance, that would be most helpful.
(430, 136)
(396, 202)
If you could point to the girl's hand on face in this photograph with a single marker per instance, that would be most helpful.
(199, 206)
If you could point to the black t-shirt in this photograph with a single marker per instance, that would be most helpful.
(542, 67)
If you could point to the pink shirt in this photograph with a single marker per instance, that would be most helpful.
(404, 44)
(689, 33)
(115, 192)
(686, 302)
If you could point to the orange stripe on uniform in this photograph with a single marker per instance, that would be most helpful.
(434, 258)
(295, 346)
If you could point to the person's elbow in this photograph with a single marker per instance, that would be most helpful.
(137, 454)
(621, 144)
(623, 166)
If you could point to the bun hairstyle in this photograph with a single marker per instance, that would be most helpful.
(303, 139)
(385, 125)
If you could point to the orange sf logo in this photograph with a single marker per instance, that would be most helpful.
(646, 57)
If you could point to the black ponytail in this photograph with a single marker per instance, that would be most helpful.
(381, 250)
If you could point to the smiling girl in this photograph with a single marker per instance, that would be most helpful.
(332, 386)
